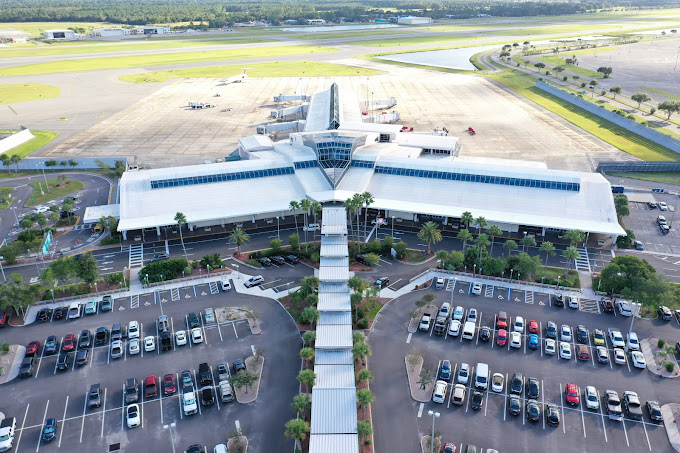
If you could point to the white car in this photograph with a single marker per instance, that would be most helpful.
(226, 285)
(133, 346)
(439, 283)
(220, 448)
(638, 359)
(149, 343)
(464, 373)
(472, 315)
(444, 310)
(519, 324)
(624, 308)
(424, 323)
(458, 313)
(133, 329)
(619, 356)
(632, 343)
(515, 340)
(592, 401)
(565, 333)
(616, 338)
(132, 416)
(40, 209)
(476, 289)
(573, 301)
(497, 382)
(196, 335)
(550, 346)
(454, 328)
(662, 206)
(565, 350)
(180, 338)
(439, 393)
(311, 227)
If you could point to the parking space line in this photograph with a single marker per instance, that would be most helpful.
(564, 429)
(408, 339)
(63, 418)
(646, 435)
(22, 427)
(122, 413)
(623, 423)
(601, 410)
(180, 399)
(505, 404)
(195, 293)
(234, 326)
(47, 405)
(583, 418)
(420, 410)
(103, 413)
(82, 424)
(198, 403)
(543, 403)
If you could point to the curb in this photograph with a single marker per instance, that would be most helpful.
(13, 371)
(256, 387)
(650, 358)
(410, 389)
(670, 425)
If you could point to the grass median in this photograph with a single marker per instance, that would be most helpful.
(41, 139)
(23, 92)
(667, 177)
(136, 61)
(56, 189)
(280, 69)
(412, 40)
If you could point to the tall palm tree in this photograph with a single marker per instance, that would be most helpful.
(430, 234)
(571, 254)
(481, 223)
(482, 242)
(368, 200)
(465, 235)
(315, 208)
(294, 206)
(305, 205)
(358, 202)
(510, 245)
(494, 230)
(239, 237)
(549, 250)
(15, 160)
(181, 219)
(528, 241)
(466, 219)
(575, 236)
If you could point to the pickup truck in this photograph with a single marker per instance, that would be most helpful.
(7, 429)
(209, 317)
(439, 326)
(189, 403)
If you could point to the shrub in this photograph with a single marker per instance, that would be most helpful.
(214, 261)
(294, 241)
(275, 244)
(360, 313)
(163, 270)
(254, 263)
(114, 278)
(670, 366)
(4, 348)
(661, 343)
(583, 84)
(565, 78)
(362, 324)
(315, 257)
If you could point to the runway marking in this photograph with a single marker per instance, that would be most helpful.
(420, 410)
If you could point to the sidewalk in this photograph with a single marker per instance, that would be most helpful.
(671, 413)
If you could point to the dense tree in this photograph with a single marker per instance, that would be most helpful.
(297, 429)
(465, 236)
(605, 70)
(615, 91)
(669, 108)
(640, 98)
(510, 245)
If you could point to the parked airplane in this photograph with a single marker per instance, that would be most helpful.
(237, 78)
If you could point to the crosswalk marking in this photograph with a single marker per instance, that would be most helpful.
(582, 262)
(134, 301)
(174, 294)
(488, 291)
(590, 306)
(136, 256)
(528, 297)
(213, 288)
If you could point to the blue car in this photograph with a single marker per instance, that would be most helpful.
(445, 371)
(533, 341)
(49, 432)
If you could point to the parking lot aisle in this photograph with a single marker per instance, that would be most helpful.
(122, 412)
(179, 400)
(205, 337)
(583, 417)
(47, 405)
(63, 420)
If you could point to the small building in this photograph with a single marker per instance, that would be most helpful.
(152, 30)
(316, 22)
(109, 32)
(413, 20)
(13, 36)
(61, 34)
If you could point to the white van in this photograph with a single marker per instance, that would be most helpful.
(482, 376)
(469, 330)
(254, 281)
(75, 311)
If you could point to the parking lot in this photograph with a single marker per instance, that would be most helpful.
(51, 393)
(493, 426)
(642, 220)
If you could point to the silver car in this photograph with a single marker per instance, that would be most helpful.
(116, 349)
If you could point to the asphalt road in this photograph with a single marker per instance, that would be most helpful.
(61, 395)
(399, 420)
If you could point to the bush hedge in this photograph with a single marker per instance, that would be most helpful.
(163, 270)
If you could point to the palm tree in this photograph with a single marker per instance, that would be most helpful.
(358, 202)
(301, 404)
(239, 237)
(528, 241)
(482, 242)
(181, 219)
(510, 245)
(297, 429)
(571, 254)
(368, 199)
(365, 397)
(6, 161)
(466, 219)
(430, 234)
(294, 206)
(15, 160)
(549, 250)
(481, 223)
(305, 205)
(315, 208)
(575, 236)
(494, 230)
(464, 235)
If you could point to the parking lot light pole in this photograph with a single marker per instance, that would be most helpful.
(238, 274)
(434, 416)
(511, 271)
(474, 269)
(3, 271)
(172, 439)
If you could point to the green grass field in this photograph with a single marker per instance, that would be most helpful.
(412, 41)
(282, 69)
(555, 29)
(123, 46)
(136, 61)
(41, 139)
(609, 132)
(553, 60)
(36, 29)
(5, 200)
(56, 189)
(22, 92)
(662, 93)
(670, 177)
(351, 34)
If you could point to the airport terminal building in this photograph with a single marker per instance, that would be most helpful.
(411, 176)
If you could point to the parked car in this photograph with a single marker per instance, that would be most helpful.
(49, 431)
(502, 337)
(438, 284)
(463, 373)
(132, 416)
(133, 329)
(550, 346)
(571, 393)
(69, 343)
(85, 339)
(613, 402)
(607, 305)
(518, 325)
(514, 405)
(602, 354)
(477, 400)
(582, 352)
(476, 289)
(159, 257)
(265, 261)
(131, 391)
(278, 260)
(472, 315)
(26, 367)
(663, 206)
(424, 323)
(532, 326)
(591, 398)
(222, 372)
(445, 370)
(502, 320)
(517, 383)
(116, 332)
(565, 350)
(638, 360)
(180, 338)
(573, 302)
(552, 414)
(59, 313)
(533, 389)
(169, 384)
(82, 357)
(196, 335)
(616, 338)
(581, 334)
(632, 405)
(226, 285)
(149, 343)
(598, 338)
(107, 303)
(101, 336)
(638, 245)
(116, 349)
(238, 365)
(439, 392)
(292, 259)
(533, 411)
(533, 341)
(551, 330)
(632, 342)
(654, 411)
(664, 313)
(382, 282)
(565, 333)
(151, 386)
(134, 346)
(619, 356)
(254, 281)
(63, 362)
(32, 349)
(51, 345)
(558, 300)
(91, 307)
(485, 333)
(624, 308)
(497, 382)
(458, 394)
(515, 340)
(94, 396)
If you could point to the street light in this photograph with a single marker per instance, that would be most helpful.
(208, 266)
(474, 269)
(511, 271)
(95, 288)
(147, 278)
(393, 226)
(238, 274)
(558, 281)
(434, 415)
(3, 271)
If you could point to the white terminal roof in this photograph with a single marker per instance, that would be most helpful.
(333, 357)
(334, 376)
(334, 443)
(334, 246)
(334, 317)
(341, 403)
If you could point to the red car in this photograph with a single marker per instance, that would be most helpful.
(582, 352)
(4, 318)
(69, 343)
(502, 337)
(571, 391)
(169, 385)
(449, 447)
(502, 320)
(32, 348)
(533, 326)
(607, 306)
(151, 386)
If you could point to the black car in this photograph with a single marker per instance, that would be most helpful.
(59, 313)
(277, 260)
(551, 330)
(131, 391)
(107, 304)
(159, 257)
(533, 389)
(63, 362)
(581, 334)
(196, 448)
(238, 365)
(116, 332)
(485, 333)
(533, 411)
(26, 368)
(382, 282)
(204, 374)
(82, 357)
(207, 396)
(85, 339)
(651, 205)
(517, 383)
(44, 315)
(101, 336)
(194, 320)
(49, 432)
(654, 411)
(514, 405)
(552, 415)
(94, 396)
(292, 259)
(477, 400)
(51, 345)
(558, 300)
(265, 261)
